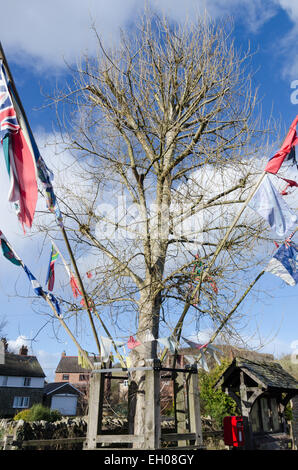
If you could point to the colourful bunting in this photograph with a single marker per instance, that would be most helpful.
(269, 204)
(82, 361)
(8, 252)
(23, 160)
(105, 348)
(284, 263)
(132, 343)
(50, 280)
(286, 152)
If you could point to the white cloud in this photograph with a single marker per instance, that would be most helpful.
(48, 361)
(52, 31)
(15, 345)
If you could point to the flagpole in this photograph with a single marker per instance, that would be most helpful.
(2, 56)
(68, 331)
(223, 323)
(95, 311)
(81, 285)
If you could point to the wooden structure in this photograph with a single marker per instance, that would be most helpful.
(188, 419)
(261, 391)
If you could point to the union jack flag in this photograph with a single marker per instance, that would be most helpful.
(8, 118)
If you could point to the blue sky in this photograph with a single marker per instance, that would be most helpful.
(38, 38)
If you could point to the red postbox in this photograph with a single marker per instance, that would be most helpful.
(233, 431)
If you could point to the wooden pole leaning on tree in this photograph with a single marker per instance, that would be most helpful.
(196, 291)
(84, 294)
(81, 285)
(223, 323)
(62, 322)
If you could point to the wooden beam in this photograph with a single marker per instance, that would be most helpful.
(96, 393)
(152, 406)
(194, 410)
(180, 407)
(119, 438)
(188, 436)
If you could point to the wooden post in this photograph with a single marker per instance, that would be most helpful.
(180, 406)
(194, 411)
(8, 440)
(245, 410)
(152, 432)
(96, 393)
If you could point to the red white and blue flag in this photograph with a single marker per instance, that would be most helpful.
(23, 160)
(284, 263)
(8, 118)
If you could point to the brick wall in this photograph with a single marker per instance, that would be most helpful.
(74, 378)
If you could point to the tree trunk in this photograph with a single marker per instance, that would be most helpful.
(142, 356)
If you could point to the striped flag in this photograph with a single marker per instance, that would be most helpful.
(50, 280)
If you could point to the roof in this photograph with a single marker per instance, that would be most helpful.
(270, 375)
(69, 364)
(58, 386)
(21, 366)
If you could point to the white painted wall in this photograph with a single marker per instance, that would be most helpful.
(36, 382)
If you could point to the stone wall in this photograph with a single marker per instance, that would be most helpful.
(38, 430)
(77, 427)
(295, 421)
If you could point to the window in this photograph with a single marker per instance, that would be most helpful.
(4, 381)
(21, 402)
(83, 377)
(27, 381)
(65, 377)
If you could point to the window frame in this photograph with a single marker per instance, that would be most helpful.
(27, 382)
(24, 402)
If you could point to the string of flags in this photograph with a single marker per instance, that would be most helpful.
(11, 255)
(72, 278)
(169, 343)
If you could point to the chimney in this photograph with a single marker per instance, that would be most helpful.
(63, 354)
(23, 351)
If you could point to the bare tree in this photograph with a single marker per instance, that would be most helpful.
(165, 136)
